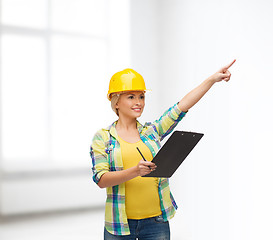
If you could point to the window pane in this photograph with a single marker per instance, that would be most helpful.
(78, 79)
(27, 13)
(23, 97)
(86, 16)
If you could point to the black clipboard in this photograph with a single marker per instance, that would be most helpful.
(174, 152)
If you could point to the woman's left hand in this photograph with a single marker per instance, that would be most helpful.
(223, 74)
(196, 94)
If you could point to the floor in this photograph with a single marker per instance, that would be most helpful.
(80, 225)
(66, 226)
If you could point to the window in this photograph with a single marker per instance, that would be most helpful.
(55, 62)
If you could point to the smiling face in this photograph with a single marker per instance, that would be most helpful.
(131, 104)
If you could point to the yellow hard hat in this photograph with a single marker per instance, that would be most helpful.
(126, 80)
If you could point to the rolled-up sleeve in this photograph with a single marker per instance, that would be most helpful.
(168, 121)
(100, 164)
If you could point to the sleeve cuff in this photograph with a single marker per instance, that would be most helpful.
(180, 113)
(98, 175)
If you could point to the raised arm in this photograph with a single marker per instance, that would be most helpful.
(197, 93)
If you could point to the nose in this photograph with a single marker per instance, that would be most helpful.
(138, 101)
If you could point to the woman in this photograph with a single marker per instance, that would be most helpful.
(138, 207)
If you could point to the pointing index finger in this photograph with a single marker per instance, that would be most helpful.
(229, 65)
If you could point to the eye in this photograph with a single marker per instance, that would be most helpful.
(142, 97)
(131, 97)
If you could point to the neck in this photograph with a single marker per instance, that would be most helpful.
(126, 123)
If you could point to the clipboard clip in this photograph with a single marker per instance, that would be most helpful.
(189, 132)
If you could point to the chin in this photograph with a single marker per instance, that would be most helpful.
(137, 115)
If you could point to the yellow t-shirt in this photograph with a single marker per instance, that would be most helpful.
(141, 193)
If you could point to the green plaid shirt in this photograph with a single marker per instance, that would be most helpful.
(106, 156)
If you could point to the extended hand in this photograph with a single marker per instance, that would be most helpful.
(223, 74)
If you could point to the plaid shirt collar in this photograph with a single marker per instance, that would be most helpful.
(113, 131)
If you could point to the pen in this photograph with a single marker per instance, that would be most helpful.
(142, 156)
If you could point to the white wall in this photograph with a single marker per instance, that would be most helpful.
(39, 194)
(223, 189)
